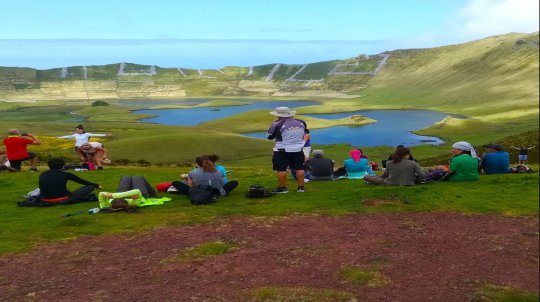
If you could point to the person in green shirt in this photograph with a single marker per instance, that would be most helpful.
(464, 164)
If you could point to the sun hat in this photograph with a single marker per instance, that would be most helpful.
(493, 146)
(283, 112)
(317, 153)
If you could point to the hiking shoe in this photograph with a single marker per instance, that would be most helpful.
(33, 170)
(281, 190)
(301, 189)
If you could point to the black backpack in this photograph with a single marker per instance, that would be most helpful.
(202, 194)
(258, 191)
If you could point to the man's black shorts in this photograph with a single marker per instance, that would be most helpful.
(16, 164)
(294, 160)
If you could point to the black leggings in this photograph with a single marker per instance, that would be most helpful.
(136, 182)
(184, 188)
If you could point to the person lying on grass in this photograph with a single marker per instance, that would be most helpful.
(52, 185)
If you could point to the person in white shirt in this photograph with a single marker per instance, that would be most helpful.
(81, 137)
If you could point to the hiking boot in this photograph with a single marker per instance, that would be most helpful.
(33, 170)
(281, 190)
(301, 189)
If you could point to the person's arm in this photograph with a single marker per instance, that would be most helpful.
(35, 140)
(67, 136)
(531, 147)
(274, 129)
(307, 136)
(98, 134)
(81, 181)
(453, 166)
(102, 149)
(418, 170)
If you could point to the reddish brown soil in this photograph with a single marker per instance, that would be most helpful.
(426, 256)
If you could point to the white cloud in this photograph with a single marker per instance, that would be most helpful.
(482, 18)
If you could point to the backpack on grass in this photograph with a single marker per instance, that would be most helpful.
(521, 169)
(202, 194)
(258, 191)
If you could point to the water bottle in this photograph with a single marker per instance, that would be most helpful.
(93, 211)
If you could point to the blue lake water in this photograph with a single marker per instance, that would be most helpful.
(393, 127)
(195, 116)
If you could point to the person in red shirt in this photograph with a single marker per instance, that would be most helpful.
(16, 149)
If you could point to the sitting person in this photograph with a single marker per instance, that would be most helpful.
(52, 185)
(205, 174)
(464, 165)
(355, 167)
(319, 167)
(214, 158)
(390, 157)
(95, 153)
(4, 163)
(495, 160)
(400, 171)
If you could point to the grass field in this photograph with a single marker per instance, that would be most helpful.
(23, 228)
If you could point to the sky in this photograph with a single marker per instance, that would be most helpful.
(216, 33)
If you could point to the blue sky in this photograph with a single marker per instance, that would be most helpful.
(216, 33)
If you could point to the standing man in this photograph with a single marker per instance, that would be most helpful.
(495, 160)
(288, 134)
(16, 149)
(523, 154)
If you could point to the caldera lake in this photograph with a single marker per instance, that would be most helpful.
(393, 127)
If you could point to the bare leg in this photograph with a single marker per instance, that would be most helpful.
(98, 157)
(33, 162)
(300, 177)
(282, 178)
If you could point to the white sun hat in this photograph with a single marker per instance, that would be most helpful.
(283, 112)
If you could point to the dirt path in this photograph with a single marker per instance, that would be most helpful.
(426, 256)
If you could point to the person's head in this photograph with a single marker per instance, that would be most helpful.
(463, 148)
(213, 157)
(206, 163)
(14, 131)
(355, 155)
(79, 129)
(86, 146)
(56, 163)
(283, 112)
(400, 154)
(317, 153)
(493, 147)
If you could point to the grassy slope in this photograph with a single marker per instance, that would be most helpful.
(492, 194)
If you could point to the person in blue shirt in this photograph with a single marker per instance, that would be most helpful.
(495, 160)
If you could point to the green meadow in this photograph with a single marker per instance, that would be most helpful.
(493, 83)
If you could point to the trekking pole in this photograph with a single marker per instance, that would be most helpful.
(73, 213)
